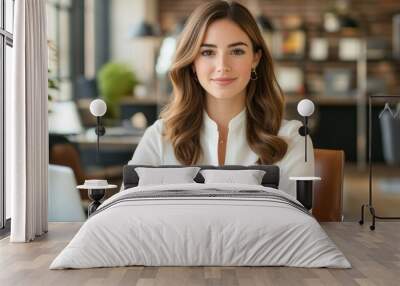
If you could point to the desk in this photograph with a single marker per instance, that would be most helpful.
(115, 151)
(126, 142)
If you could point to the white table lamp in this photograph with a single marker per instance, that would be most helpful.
(98, 108)
(304, 185)
(305, 108)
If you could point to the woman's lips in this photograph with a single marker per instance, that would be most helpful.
(223, 81)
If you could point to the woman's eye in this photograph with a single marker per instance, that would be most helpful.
(207, 53)
(237, 52)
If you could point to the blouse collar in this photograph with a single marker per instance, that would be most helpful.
(237, 121)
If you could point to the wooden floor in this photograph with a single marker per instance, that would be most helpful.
(374, 255)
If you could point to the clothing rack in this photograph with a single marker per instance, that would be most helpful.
(370, 202)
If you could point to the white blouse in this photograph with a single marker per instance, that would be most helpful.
(153, 149)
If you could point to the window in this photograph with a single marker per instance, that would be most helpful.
(59, 42)
(6, 44)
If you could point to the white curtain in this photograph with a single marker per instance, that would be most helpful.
(26, 127)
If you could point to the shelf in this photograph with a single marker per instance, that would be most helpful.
(329, 100)
(308, 60)
(334, 100)
(145, 100)
(332, 61)
(323, 100)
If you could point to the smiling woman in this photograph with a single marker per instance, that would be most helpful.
(227, 106)
(224, 70)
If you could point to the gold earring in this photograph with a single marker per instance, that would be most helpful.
(253, 74)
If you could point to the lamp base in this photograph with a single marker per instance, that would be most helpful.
(304, 190)
(96, 195)
(304, 193)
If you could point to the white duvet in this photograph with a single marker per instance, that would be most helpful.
(200, 231)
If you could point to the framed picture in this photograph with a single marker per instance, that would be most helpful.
(315, 83)
(350, 49)
(289, 44)
(338, 82)
(319, 49)
(376, 48)
(291, 79)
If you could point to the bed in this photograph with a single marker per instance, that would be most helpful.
(201, 224)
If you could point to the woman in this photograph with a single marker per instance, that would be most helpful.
(227, 106)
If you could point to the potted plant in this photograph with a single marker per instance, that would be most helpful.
(115, 80)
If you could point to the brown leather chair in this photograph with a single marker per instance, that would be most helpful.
(328, 193)
(67, 155)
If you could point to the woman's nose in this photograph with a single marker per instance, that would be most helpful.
(223, 64)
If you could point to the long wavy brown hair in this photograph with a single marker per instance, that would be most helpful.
(183, 116)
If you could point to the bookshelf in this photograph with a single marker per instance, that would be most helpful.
(353, 97)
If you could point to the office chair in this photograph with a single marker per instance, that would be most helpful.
(64, 202)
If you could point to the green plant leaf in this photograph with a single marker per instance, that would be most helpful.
(115, 80)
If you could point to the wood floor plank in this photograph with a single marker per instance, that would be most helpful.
(374, 255)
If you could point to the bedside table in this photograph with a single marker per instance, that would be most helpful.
(96, 191)
(304, 190)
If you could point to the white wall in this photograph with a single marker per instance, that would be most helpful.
(137, 53)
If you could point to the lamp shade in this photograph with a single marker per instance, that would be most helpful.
(305, 107)
(98, 107)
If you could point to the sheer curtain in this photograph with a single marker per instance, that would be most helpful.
(26, 123)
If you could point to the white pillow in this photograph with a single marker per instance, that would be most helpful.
(248, 177)
(163, 176)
